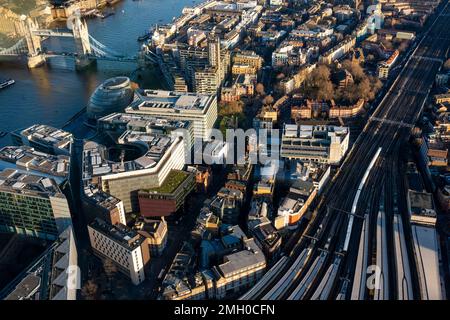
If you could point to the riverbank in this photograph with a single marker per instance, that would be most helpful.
(55, 94)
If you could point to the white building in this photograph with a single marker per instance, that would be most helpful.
(44, 138)
(288, 55)
(200, 109)
(276, 2)
(122, 245)
(321, 144)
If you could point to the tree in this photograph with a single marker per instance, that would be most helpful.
(364, 91)
(268, 100)
(447, 65)
(318, 85)
(110, 270)
(89, 290)
(376, 84)
(134, 86)
(403, 46)
(260, 89)
(370, 57)
(230, 108)
(320, 74)
(355, 69)
(325, 91)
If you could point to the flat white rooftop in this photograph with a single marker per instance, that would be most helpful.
(155, 100)
(427, 259)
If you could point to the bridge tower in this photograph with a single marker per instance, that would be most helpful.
(82, 43)
(35, 56)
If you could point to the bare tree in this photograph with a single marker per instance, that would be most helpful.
(318, 85)
(355, 69)
(260, 89)
(325, 91)
(403, 46)
(268, 100)
(89, 290)
(109, 267)
(447, 65)
(370, 57)
(110, 270)
(230, 108)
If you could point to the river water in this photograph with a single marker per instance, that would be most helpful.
(54, 93)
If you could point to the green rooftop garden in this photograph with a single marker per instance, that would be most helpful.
(172, 181)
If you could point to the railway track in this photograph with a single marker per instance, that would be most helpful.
(340, 228)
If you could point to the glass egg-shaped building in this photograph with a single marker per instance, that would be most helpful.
(113, 95)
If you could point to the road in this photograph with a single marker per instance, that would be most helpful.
(333, 235)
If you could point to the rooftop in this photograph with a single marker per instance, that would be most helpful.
(154, 145)
(421, 202)
(142, 122)
(17, 181)
(50, 276)
(241, 261)
(121, 234)
(30, 159)
(427, 258)
(26, 288)
(171, 183)
(171, 101)
(48, 135)
(101, 198)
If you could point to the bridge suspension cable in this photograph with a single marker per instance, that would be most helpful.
(103, 50)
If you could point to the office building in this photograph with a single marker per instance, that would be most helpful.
(266, 235)
(28, 159)
(227, 205)
(248, 58)
(126, 248)
(32, 205)
(168, 197)
(197, 108)
(425, 242)
(99, 204)
(206, 80)
(321, 144)
(44, 138)
(294, 206)
(113, 95)
(244, 85)
(421, 208)
(232, 263)
(154, 155)
(116, 124)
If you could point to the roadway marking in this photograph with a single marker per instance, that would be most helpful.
(397, 123)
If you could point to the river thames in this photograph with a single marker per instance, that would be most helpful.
(54, 93)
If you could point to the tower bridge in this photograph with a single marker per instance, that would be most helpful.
(87, 49)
